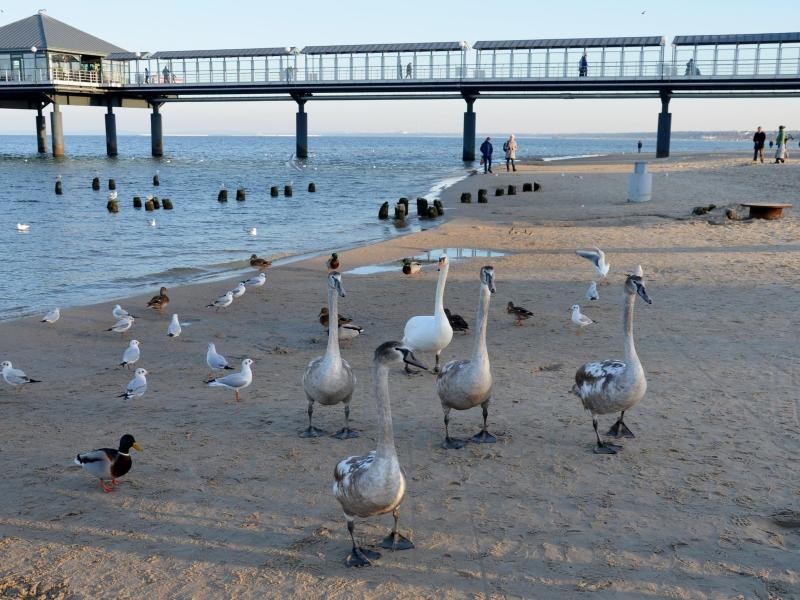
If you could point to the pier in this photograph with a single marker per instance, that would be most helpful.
(44, 62)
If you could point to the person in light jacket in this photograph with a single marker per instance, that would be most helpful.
(510, 147)
(780, 144)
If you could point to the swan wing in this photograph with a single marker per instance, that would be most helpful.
(593, 379)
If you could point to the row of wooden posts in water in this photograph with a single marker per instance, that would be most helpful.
(483, 194)
(274, 192)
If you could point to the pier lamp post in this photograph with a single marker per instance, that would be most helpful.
(35, 71)
(464, 47)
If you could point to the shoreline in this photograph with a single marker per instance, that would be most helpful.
(225, 500)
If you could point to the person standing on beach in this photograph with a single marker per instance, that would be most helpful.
(639, 146)
(486, 155)
(510, 148)
(583, 66)
(759, 138)
(780, 144)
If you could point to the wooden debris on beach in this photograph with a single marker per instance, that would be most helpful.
(527, 187)
(466, 197)
(512, 190)
(499, 192)
(422, 207)
(482, 195)
(439, 206)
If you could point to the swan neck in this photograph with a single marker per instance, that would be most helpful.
(627, 329)
(438, 306)
(479, 352)
(332, 351)
(380, 378)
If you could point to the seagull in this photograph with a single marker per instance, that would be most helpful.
(252, 231)
(174, 329)
(235, 381)
(15, 377)
(53, 316)
(215, 360)
(256, 281)
(23, 227)
(122, 325)
(598, 259)
(591, 293)
(239, 290)
(578, 318)
(151, 222)
(136, 386)
(131, 354)
(112, 195)
(120, 312)
(225, 300)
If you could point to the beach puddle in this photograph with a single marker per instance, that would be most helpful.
(430, 257)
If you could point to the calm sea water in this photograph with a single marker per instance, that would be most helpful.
(76, 252)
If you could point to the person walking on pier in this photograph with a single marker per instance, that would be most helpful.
(639, 146)
(759, 138)
(165, 73)
(780, 144)
(146, 75)
(583, 66)
(486, 155)
(408, 71)
(691, 68)
(510, 148)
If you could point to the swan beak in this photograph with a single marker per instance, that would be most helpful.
(410, 359)
(137, 447)
(643, 293)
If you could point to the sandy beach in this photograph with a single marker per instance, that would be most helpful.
(226, 501)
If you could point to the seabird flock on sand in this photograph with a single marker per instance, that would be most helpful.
(375, 484)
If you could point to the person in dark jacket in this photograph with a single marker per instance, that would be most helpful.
(486, 155)
(759, 138)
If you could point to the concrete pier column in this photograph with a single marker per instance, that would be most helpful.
(57, 131)
(111, 132)
(301, 129)
(156, 133)
(469, 131)
(41, 132)
(664, 127)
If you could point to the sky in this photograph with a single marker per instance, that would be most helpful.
(148, 25)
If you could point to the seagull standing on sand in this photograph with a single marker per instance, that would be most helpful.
(239, 290)
(16, 378)
(131, 354)
(122, 325)
(120, 312)
(235, 381)
(136, 386)
(215, 360)
(222, 302)
(591, 293)
(256, 281)
(579, 318)
(52, 316)
(174, 329)
(598, 259)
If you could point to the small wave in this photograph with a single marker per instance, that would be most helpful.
(569, 156)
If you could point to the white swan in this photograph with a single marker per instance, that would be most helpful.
(615, 385)
(464, 384)
(328, 379)
(431, 333)
(374, 484)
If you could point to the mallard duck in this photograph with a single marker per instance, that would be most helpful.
(159, 301)
(411, 267)
(598, 258)
(464, 384)
(16, 378)
(431, 333)
(520, 313)
(615, 385)
(374, 484)
(107, 463)
(136, 386)
(235, 381)
(52, 316)
(259, 263)
(324, 318)
(328, 379)
(457, 322)
(333, 262)
(131, 354)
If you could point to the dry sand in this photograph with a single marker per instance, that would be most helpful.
(227, 502)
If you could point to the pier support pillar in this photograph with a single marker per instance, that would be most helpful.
(664, 127)
(301, 129)
(41, 132)
(111, 132)
(57, 131)
(468, 154)
(156, 133)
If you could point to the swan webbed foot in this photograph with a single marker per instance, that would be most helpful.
(395, 541)
(361, 557)
(606, 448)
(620, 430)
(483, 437)
(345, 433)
(312, 432)
(453, 443)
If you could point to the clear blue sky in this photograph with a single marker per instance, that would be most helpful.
(147, 25)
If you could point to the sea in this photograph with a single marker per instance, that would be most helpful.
(75, 252)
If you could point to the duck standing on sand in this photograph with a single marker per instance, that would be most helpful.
(374, 484)
(107, 463)
(328, 379)
(411, 267)
(615, 385)
(457, 322)
(160, 300)
(259, 263)
(520, 313)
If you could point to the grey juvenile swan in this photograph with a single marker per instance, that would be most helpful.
(374, 484)
(464, 384)
(328, 379)
(615, 385)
